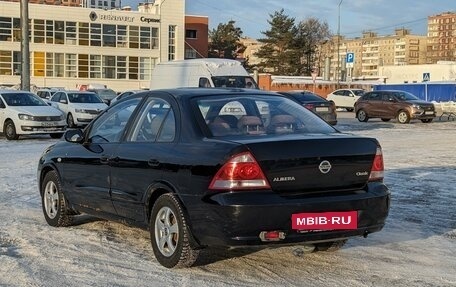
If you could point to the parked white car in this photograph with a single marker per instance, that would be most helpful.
(24, 113)
(345, 98)
(79, 107)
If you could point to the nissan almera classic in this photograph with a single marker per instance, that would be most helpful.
(217, 167)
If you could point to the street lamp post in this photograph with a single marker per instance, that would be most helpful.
(338, 44)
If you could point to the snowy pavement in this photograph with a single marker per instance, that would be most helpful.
(417, 247)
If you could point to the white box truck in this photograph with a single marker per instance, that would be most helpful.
(204, 73)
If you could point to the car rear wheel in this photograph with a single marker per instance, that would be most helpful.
(70, 121)
(362, 116)
(55, 207)
(426, 121)
(403, 117)
(330, 246)
(170, 235)
(385, 120)
(10, 130)
(56, 136)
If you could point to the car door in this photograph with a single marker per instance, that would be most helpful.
(374, 104)
(87, 167)
(389, 103)
(143, 157)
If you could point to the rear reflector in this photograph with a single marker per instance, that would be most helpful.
(309, 106)
(272, 235)
(377, 169)
(241, 172)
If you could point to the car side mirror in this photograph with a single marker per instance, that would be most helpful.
(74, 136)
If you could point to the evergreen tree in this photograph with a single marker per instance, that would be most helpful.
(277, 52)
(224, 41)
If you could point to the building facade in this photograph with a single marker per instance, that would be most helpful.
(371, 52)
(196, 36)
(73, 3)
(441, 45)
(101, 4)
(72, 46)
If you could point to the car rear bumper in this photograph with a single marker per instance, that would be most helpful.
(237, 219)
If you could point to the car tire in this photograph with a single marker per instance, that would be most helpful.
(403, 117)
(361, 115)
(56, 136)
(385, 120)
(9, 129)
(330, 246)
(53, 202)
(70, 121)
(169, 233)
(426, 121)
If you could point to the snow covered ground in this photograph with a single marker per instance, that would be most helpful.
(417, 247)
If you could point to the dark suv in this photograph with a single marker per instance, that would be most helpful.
(388, 105)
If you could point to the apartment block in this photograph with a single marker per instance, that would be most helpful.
(73, 3)
(441, 43)
(372, 51)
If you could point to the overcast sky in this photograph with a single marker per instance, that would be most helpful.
(382, 16)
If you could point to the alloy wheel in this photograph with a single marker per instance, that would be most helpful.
(51, 199)
(166, 231)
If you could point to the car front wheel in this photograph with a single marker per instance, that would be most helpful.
(169, 233)
(10, 130)
(70, 121)
(362, 116)
(55, 208)
(403, 117)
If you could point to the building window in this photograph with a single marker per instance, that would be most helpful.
(134, 37)
(5, 29)
(171, 42)
(122, 39)
(38, 31)
(38, 64)
(70, 37)
(190, 34)
(190, 53)
(144, 39)
(145, 67)
(109, 35)
(109, 67)
(59, 32)
(17, 63)
(59, 65)
(49, 65)
(95, 34)
(95, 66)
(84, 34)
(133, 68)
(154, 39)
(70, 65)
(83, 66)
(49, 32)
(5, 62)
(17, 30)
(121, 67)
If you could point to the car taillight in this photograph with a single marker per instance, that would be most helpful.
(377, 166)
(309, 106)
(242, 171)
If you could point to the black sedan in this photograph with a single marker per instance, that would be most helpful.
(322, 107)
(216, 167)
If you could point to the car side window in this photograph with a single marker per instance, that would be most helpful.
(56, 97)
(388, 97)
(2, 105)
(109, 127)
(375, 97)
(156, 122)
(339, 93)
(204, 83)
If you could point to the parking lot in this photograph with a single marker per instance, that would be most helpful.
(417, 247)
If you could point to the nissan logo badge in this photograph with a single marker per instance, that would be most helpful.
(324, 166)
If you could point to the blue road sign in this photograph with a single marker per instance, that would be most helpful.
(426, 77)
(350, 57)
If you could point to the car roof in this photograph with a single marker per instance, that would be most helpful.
(181, 93)
(14, 92)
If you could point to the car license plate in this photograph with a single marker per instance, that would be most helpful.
(428, 112)
(321, 109)
(325, 220)
(49, 124)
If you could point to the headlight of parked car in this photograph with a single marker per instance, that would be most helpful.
(26, 117)
(416, 107)
(82, 111)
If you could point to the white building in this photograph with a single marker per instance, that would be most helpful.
(70, 46)
(442, 71)
(101, 4)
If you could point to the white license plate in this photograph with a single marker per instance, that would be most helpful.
(428, 112)
(49, 124)
(321, 109)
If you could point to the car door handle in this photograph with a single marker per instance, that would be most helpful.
(107, 160)
(153, 162)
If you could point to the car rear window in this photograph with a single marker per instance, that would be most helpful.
(257, 115)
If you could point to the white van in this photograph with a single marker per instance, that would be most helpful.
(204, 73)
